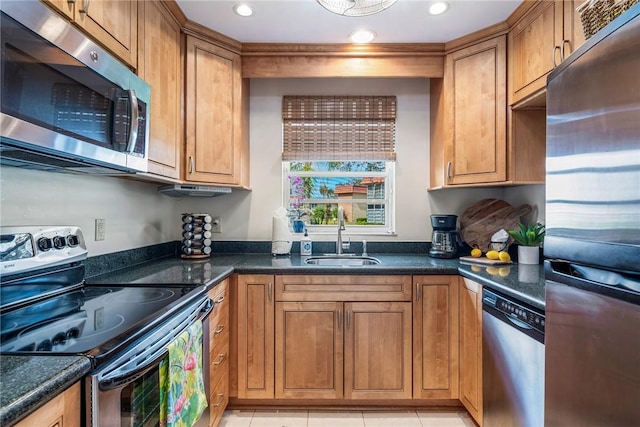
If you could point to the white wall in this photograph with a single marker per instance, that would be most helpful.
(137, 215)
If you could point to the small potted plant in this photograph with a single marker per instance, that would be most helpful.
(529, 239)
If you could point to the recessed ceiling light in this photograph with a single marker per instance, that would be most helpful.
(243, 9)
(362, 36)
(438, 7)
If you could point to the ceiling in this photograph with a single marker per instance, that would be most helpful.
(305, 21)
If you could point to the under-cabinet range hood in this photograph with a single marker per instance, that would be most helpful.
(188, 190)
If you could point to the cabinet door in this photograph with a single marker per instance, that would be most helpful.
(534, 47)
(255, 336)
(160, 65)
(572, 27)
(213, 113)
(377, 350)
(309, 350)
(114, 24)
(475, 79)
(61, 411)
(65, 7)
(435, 337)
(471, 348)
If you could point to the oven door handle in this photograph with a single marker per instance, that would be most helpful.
(116, 381)
(206, 309)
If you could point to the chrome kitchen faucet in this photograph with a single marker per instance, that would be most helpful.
(339, 245)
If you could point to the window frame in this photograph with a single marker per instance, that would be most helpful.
(388, 229)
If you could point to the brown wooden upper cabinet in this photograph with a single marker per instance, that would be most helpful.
(214, 114)
(545, 35)
(114, 24)
(160, 64)
(468, 116)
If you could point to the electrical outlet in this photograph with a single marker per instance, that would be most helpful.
(215, 225)
(100, 229)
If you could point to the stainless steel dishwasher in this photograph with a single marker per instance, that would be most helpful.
(513, 362)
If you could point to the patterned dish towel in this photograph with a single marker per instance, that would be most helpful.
(182, 393)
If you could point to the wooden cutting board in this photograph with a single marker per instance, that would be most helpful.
(483, 261)
(483, 219)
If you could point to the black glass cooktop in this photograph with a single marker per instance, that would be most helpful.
(91, 320)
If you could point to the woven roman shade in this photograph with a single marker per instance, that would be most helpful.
(358, 128)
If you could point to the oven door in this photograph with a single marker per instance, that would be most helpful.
(125, 392)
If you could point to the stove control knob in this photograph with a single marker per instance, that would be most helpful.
(73, 333)
(59, 338)
(44, 346)
(59, 242)
(72, 240)
(44, 244)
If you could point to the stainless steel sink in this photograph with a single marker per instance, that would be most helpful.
(341, 260)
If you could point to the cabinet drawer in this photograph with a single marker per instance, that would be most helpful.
(219, 292)
(218, 325)
(219, 358)
(219, 317)
(218, 399)
(343, 288)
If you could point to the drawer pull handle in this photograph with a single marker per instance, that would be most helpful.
(219, 330)
(219, 359)
(220, 400)
(566, 52)
(553, 55)
(220, 299)
(85, 7)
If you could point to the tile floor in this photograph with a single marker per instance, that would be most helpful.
(281, 418)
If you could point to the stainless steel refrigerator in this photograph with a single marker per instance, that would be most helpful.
(592, 246)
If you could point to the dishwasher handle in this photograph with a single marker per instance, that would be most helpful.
(514, 314)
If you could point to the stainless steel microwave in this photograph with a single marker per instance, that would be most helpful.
(66, 102)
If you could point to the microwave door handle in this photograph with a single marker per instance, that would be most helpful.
(116, 381)
(133, 130)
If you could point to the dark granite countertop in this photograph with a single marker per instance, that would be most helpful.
(34, 385)
(523, 282)
(28, 382)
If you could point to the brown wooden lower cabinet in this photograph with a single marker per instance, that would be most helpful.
(61, 411)
(471, 347)
(255, 339)
(309, 350)
(377, 350)
(343, 338)
(351, 350)
(219, 332)
(435, 337)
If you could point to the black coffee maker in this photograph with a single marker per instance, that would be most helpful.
(445, 239)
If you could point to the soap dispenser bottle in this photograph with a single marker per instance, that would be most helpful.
(305, 244)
